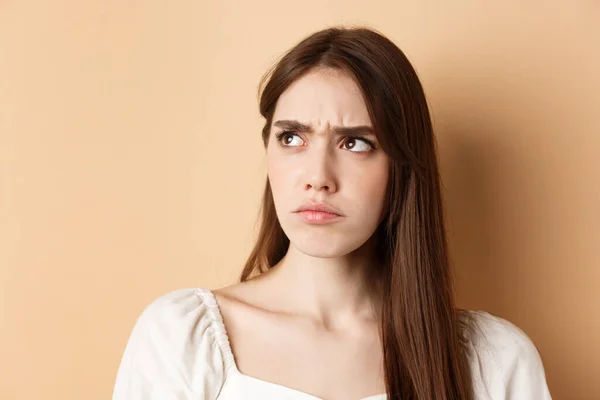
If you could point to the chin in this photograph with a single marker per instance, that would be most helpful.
(324, 244)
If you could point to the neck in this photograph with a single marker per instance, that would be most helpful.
(335, 292)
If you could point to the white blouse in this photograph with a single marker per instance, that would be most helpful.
(179, 349)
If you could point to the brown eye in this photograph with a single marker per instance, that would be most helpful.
(358, 145)
(289, 139)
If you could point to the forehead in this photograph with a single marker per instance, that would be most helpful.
(324, 96)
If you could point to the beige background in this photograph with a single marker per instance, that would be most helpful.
(131, 165)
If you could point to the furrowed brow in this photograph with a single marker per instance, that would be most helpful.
(292, 125)
(361, 130)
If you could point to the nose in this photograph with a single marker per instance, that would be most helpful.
(319, 171)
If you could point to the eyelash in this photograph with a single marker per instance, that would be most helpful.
(280, 136)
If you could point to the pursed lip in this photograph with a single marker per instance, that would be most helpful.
(322, 207)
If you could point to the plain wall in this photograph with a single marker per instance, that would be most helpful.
(132, 165)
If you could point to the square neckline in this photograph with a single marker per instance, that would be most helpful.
(223, 340)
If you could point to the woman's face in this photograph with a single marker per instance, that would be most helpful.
(319, 165)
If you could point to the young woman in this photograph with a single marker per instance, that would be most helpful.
(347, 294)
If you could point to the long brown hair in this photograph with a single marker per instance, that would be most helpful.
(424, 354)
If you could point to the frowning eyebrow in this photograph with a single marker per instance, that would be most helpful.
(361, 130)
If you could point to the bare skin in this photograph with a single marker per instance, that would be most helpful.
(309, 323)
(271, 341)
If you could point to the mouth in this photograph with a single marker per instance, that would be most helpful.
(318, 207)
(317, 217)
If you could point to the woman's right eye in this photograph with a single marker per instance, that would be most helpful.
(289, 139)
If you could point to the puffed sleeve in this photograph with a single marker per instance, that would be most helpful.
(171, 353)
(505, 363)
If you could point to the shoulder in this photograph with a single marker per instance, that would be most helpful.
(176, 309)
(504, 360)
(182, 313)
(491, 332)
(173, 349)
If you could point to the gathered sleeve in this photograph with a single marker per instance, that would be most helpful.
(505, 363)
(172, 353)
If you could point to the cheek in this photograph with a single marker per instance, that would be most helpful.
(278, 177)
(370, 189)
